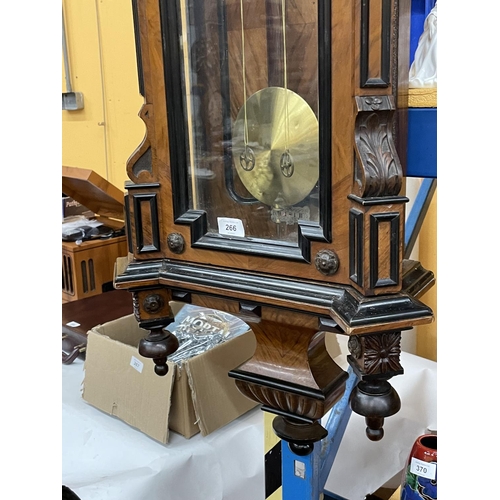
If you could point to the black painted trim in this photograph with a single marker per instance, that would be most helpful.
(385, 309)
(328, 325)
(416, 279)
(261, 248)
(250, 308)
(138, 200)
(356, 240)
(378, 200)
(287, 414)
(352, 308)
(173, 71)
(393, 218)
(325, 120)
(385, 56)
(138, 50)
(181, 296)
(257, 285)
(197, 221)
(148, 185)
(128, 226)
(201, 238)
(279, 385)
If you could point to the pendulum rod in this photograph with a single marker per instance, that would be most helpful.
(285, 73)
(286, 162)
(244, 72)
(271, 125)
(247, 158)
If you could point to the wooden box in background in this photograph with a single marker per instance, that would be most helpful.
(87, 269)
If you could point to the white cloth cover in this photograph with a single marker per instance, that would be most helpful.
(423, 70)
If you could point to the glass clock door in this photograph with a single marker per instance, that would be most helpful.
(249, 141)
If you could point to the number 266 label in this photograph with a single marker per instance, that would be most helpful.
(230, 227)
(423, 469)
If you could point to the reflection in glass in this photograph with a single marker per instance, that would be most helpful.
(251, 102)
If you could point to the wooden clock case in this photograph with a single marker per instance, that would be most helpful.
(345, 272)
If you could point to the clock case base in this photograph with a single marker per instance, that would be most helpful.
(291, 373)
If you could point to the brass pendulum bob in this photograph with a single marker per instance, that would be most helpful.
(267, 166)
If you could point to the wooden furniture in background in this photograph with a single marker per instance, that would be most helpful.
(88, 267)
(79, 316)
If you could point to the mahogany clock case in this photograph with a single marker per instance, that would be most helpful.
(227, 85)
(184, 176)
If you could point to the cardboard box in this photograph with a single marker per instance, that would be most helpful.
(196, 397)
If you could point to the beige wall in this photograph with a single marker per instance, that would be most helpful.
(427, 334)
(422, 340)
(103, 67)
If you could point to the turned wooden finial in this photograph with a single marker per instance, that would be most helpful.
(375, 400)
(375, 358)
(158, 345)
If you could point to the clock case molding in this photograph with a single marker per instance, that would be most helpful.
(344, 274)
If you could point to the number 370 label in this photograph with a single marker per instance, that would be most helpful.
(230, 227)
(423, 469)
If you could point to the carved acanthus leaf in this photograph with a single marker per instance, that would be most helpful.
(378, 170)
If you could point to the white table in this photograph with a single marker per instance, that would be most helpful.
(104, 458)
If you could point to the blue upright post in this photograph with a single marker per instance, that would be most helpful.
(304, 477)
(417, 214)
(336, 425)
(300, 474)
